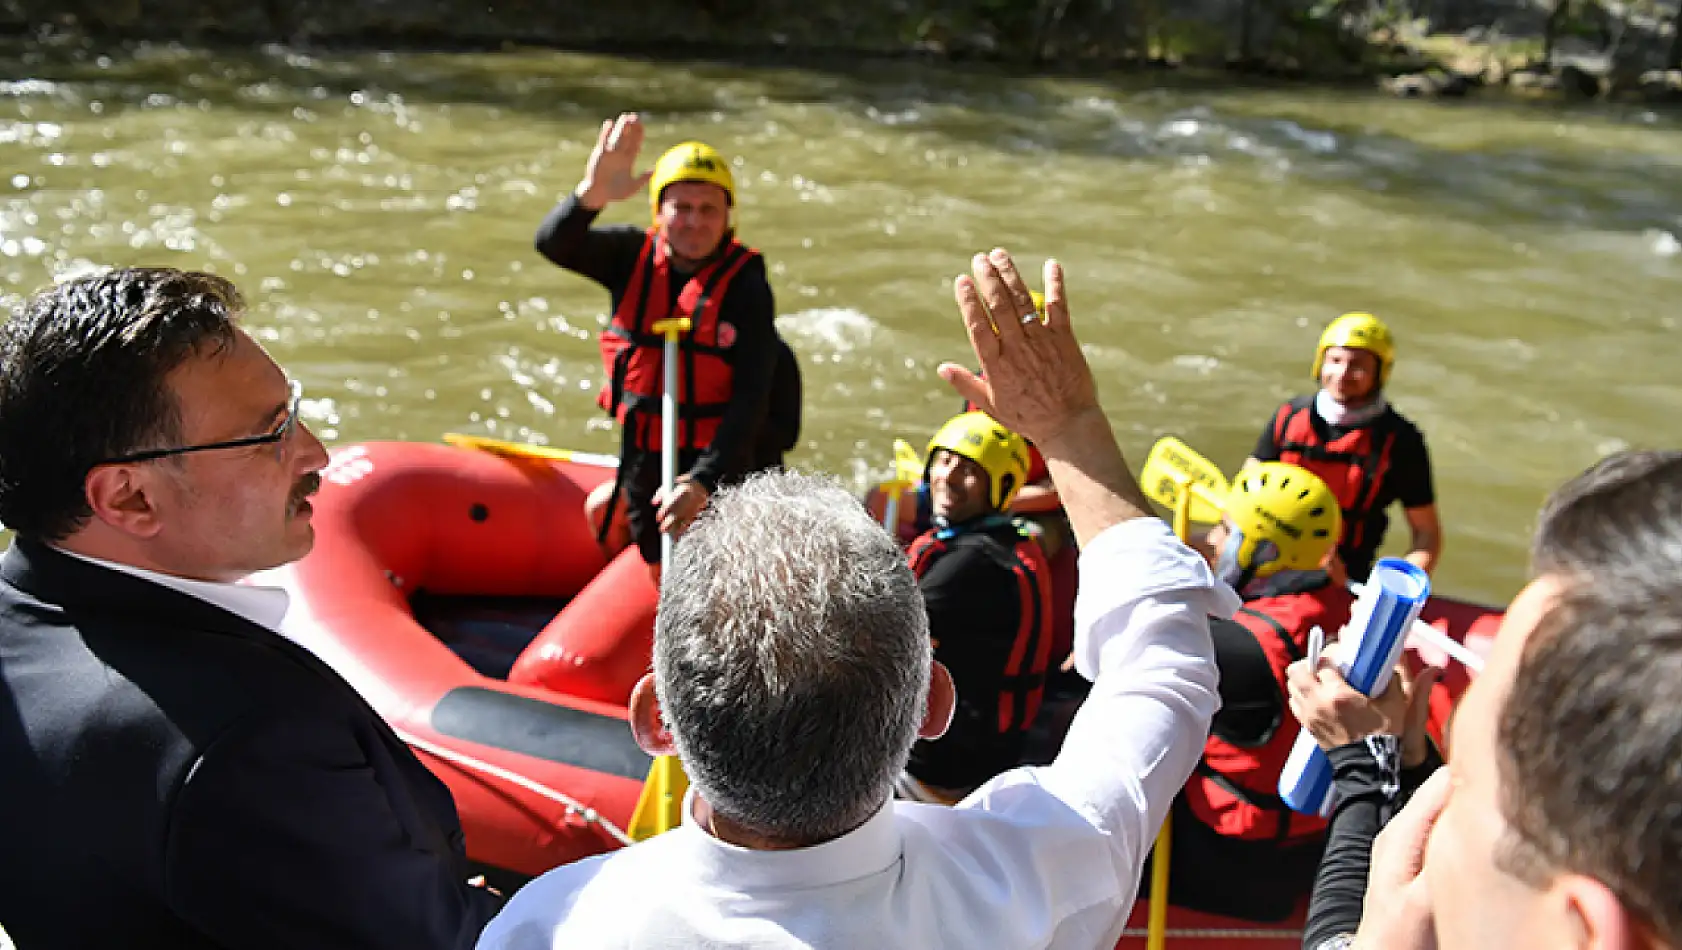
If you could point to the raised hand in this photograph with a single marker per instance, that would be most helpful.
(1035, 378)
(610, 174)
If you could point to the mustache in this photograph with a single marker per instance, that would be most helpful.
(307, 486)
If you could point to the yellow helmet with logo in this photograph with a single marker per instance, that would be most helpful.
(1359, 331)
(690, 161)
(1001, 453)
(1286, 516)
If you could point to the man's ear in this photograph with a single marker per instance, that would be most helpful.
(942, 703)
(648, 726)
(122, 497)
(1597, 919)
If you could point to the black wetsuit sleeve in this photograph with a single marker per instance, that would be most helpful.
(1414, 777)
(1411, 470)
(1267, 448)
(1251, 705)
(605, 255)
(1341, 882)
(749, 307)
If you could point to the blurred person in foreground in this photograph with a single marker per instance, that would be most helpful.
(1556, 823)
(793, 671)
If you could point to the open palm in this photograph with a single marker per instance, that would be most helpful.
(611, 174)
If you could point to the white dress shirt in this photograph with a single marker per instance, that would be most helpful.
(1035, 858)
(264, 606)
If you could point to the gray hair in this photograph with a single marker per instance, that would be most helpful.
(791, 657)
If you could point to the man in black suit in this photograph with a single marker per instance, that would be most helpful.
(173, 772)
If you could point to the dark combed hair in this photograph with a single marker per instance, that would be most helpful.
(1623, 515)
(83, 378)
(1591, 735)
(1592, 750)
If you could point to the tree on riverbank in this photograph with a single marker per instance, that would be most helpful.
(1325, 39)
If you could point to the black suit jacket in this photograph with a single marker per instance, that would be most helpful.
(173, 775)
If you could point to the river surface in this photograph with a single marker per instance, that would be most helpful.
(378, 209)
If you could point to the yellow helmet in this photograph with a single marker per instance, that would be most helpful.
(690, 161)
(1287, 507)
(1001, 453)
(1359, 331)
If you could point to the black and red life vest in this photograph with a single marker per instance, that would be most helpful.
(633, 353)
(1235, 787)
(1353, 465)
(1022, 683)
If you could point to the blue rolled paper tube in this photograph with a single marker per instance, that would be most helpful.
(1378, 630)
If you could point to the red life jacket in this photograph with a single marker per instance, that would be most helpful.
(1023, 684)
(1235, 788)
(633, 354)
(1352, 465)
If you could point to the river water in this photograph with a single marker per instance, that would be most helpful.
(378, 210)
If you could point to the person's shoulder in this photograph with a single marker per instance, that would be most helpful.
(1300, 607)
(1287, 409)
(976, 549)
(753, 269)
(121, 671)
(1404, 427)
(545, 903)
(1012, 825)
(595, 897)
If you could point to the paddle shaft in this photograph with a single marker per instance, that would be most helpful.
(668, 439)
(673, 329)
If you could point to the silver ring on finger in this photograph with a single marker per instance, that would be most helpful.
(1031, 316)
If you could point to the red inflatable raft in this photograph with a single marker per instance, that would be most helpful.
(432, 569)
(463, 594)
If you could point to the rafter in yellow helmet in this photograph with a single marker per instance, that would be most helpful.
(1289, 506)
(1001, 453)
(1359, 331)
(690, 161)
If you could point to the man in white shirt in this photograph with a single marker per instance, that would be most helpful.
(792, 672)
(173, 772)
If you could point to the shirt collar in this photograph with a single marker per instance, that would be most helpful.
(868, 849)
(264, 606)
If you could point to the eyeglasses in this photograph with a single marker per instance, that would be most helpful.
(277, 437)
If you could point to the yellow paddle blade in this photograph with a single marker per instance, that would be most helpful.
(908, 465)
(660, 806)
(525, 450)
(1173, 467)
(501, 447)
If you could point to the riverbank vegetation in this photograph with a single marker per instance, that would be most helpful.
(1584, 48)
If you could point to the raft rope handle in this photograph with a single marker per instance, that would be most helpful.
(573, 805)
